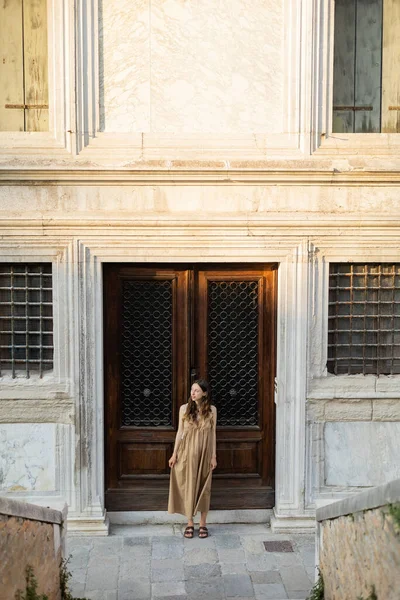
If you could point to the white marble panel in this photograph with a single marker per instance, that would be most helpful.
(192, 66)
(361, 454)
(27, 457)
(124, 36)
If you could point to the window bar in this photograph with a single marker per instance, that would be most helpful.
(26, 323)
(12, 325)
(379, 295)
(365, 317)
(41, 323)
(335, 367)
(351, 321)
(393, 313)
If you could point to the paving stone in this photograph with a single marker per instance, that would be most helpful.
(77, 589)
(227, 555)
(167, 549)
(179, 597)
(94, 595)
(302, 595)
(78, 556)
(207, 590)
(233, 568)
(158, 575)
(169, 540)
(312, 574)
(308, 558)
(238, 585)
(135, 555)
(197, 542)
(227, 541)
(102, 578)
(253, 546)
(78, 575)
(288, 559)
(265, 577)
(168, 589)
(74, 543)
(270, 591)
(202, 571)
(295, 578)
(134, 570)
(194, 556)
(103, 562)
(262, 562)
(140, 590)
(142, 585)
(106, 546)
(137, 541)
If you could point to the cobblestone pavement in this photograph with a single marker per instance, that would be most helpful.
(149, 562)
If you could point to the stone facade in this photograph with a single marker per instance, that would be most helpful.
(360, 551)
(174, 146)
(30, 536)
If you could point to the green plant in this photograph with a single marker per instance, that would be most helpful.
(394, 512)
(31, 585)
(317, 592)
(30, 588)
(65, 576)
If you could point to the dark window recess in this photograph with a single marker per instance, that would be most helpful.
(146, 353)
(233, 322)
(366, 83)
(26, 319)
(364, 319)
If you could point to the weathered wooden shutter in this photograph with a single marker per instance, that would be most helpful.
(24, 92)
(391, 67)
(357, 66)
(366, 77)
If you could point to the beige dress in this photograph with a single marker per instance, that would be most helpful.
(190, 482)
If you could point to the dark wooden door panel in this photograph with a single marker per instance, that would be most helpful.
(235, 332)
(146, 376)
(165, 325)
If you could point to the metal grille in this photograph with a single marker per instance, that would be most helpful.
(364, 319)
(146, 353)
(233, 350)
(26, 319)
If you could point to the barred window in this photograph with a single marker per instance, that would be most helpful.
(364, 319)
(26, 319)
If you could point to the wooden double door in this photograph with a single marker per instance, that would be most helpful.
(166, 326)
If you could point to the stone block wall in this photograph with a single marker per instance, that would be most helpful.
(359, 545)
(30, 535)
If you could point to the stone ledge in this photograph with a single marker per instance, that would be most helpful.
(32, 512)
(367, 500)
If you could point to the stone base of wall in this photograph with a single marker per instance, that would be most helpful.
(359, 552)
(32, 536)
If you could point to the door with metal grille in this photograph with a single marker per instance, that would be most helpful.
(164, 327)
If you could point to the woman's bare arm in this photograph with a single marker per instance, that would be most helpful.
(178, 437)
(214, 442)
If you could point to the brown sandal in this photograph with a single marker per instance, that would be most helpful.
(203, 532)
(189, 532)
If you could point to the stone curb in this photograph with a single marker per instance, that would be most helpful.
(32, 512)
(372, 498)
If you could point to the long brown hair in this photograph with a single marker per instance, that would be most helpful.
(192, 409)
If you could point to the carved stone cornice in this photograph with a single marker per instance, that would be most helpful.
(169, 174)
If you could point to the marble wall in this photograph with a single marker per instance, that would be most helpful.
(191, 66)
(27, 457)
(361, 453)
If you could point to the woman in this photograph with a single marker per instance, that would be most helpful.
(194, 458)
